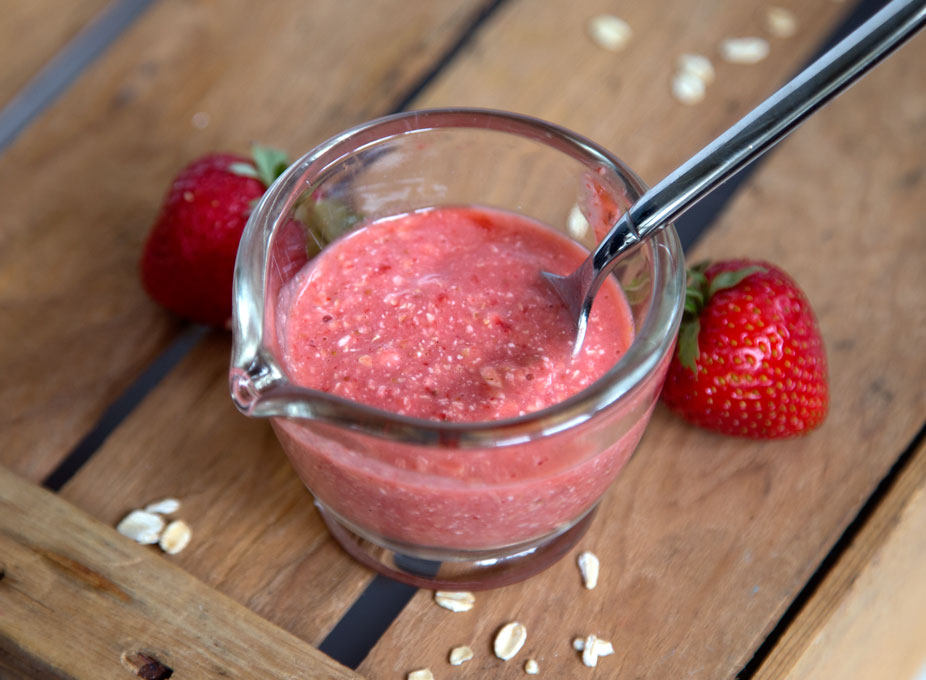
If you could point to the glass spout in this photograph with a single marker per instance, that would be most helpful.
(248, 385)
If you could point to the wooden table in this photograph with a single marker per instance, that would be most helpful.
(721, 557)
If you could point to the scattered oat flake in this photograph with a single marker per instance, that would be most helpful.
(609, 32)
(744, 50)
(175, 537)
(165, 506)
(460, 655)
(578, 644)
(781, 22)
(531, 667)
(589, 657)
(697, 65)
(421, 674)
(592, 648)
(589, 565)
(461, 601)
(688, 88)
(141, 526)
(509, 640)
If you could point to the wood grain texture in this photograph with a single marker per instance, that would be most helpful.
(82, 185)
(706, 540)
(539, 60)
(699, 528)
(256, 535)
(867, 619)
(79, 601)
(31, 33)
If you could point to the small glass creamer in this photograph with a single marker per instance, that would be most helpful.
(448, 505)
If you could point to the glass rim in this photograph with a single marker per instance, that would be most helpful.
(259, 386)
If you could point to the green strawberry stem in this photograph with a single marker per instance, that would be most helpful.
(697, 294)
(268, 164)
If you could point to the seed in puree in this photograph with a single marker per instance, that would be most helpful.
(442, 314)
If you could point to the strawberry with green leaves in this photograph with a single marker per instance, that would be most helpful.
(189, 258)
(750, 360)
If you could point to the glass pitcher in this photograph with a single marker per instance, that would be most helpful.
(450, 505)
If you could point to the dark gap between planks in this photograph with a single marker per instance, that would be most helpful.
(361, 627)
(64, 68)
(113, 416)
(466, 37)
(832, 557)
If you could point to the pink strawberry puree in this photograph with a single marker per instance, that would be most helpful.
(442, 314)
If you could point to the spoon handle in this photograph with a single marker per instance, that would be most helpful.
(763, 127)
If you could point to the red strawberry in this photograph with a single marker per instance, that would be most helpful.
(750, 359)
(189, 258)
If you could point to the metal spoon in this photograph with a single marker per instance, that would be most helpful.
(745, 141)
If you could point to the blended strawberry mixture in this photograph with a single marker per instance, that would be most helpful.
(442, 314)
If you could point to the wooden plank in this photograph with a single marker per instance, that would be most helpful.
(31, 33)
(706, 540)
(82, 185)
(77, 600)
(257, 537)
(867, 618)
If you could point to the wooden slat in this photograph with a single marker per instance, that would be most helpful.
(31, 33)
(867, 619)
(257, 537)
(81, 602)
(705, 540)
(81, 187)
